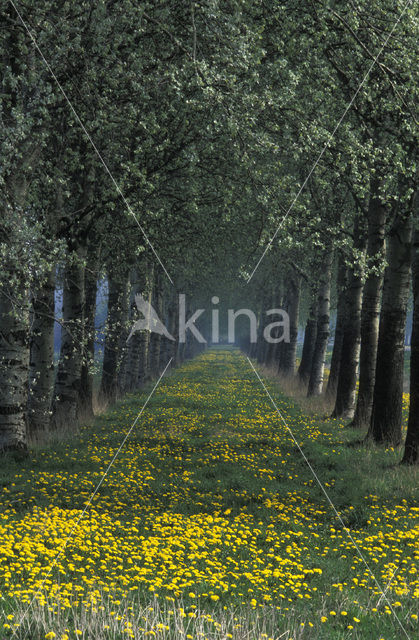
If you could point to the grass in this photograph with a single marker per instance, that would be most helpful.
(209, 524)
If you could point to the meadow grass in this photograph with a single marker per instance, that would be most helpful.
(209, 524)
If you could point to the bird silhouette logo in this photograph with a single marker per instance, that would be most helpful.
(150, 322)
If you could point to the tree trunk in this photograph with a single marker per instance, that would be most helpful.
(115, 327)
(315, 384)
(309, 344)
(264, 321)
(144, 357)
(145, 336)
(174, 328)
(332, 382)
(370, 315)
(155, 338)
(289, 349)
(346, 388)
(270, 352)
(41, 366)
(261, 345)
(135, 363)
(145, 351)
(349, 360)
(86, 382)
(14, 363)
(190, 343)
(20, 129)
(254, 347)
(271, 346)
(166, 343)
(67, 384)
(411, 448)
(279, 346)
(181, 352)
(67, 391)
(386, 416)
(128, 379)
(172, 350)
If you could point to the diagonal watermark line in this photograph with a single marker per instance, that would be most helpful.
(74, 527)
(96, 150)
(328, 141)
(361, 555)
(393, 575)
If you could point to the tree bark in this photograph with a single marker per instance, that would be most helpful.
(351, 343)
(21, 129)
(411, 448)
(386, 415)
(174, 328)
(67, 384)
(128, 378)
(14, 363)
(270, 353)
(181, 352)
(264, 321)
(166, 347)
(156, 337)
(41, 366)
(370, 315)
(254, 347)
(332, 382)
(145, 336)
(286, 364)
(144, 358)
(86, 381)
(277, 301)
(136, 360)
(309, 344)
(315, 384)
(171, 325)
(116, 321)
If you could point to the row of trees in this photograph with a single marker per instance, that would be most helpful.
(114, 154)
(357, 223)
(207, 117)
(367, 371)
(357, 234)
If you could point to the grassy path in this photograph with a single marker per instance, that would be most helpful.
(209, 509)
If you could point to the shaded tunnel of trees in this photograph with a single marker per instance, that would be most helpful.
(159, 151)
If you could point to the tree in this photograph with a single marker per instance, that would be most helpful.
(386, 417)
(309, 344)
(115, 329)
(351, 341)
(371, 307)
(315, 383)
(332, 382)
(21, 142)
(411, 449)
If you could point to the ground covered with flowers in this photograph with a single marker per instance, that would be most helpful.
(209, 523)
